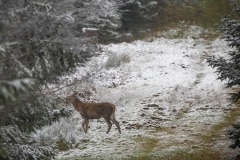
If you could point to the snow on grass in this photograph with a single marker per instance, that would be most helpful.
(166, 84)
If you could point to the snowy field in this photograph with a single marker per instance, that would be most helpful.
(163, 90)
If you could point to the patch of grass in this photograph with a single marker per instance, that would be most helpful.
(207, 14)
(179, 154)
(148, 145)
(199, 154)
(217, 129)
(203, 13)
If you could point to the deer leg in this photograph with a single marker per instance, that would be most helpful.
(109, 124)
(87, 125)
(84, 125)
(116, 123)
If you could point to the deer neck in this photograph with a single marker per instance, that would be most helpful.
(77, 104)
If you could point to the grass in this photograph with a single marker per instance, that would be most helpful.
(207, 14)
(218, 129)
(115, 60)
(149, 152)
(148, 145)
(198, 154)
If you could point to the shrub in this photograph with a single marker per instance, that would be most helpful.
(115, 60)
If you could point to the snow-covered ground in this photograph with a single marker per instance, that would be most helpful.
(163, 89)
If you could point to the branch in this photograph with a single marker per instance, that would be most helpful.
(84, 78)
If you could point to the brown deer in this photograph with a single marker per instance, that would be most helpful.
(94, 111)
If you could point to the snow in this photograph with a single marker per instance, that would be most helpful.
(167, 84)
(89, 29)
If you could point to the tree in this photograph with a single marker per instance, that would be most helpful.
(142, 14)
(229, 68)
(39, 42)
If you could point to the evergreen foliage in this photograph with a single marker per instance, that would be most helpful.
(229, 68)
(235, 136)
(39, 42)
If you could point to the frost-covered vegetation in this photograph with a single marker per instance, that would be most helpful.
(39, 42)
(115, 60)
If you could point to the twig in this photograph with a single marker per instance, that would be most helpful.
(84, 78)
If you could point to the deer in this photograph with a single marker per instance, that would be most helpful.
(94, 110)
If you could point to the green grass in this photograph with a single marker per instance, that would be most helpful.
(218, 129)
(207, 14)
(198, 154)
(145, 153)
(204, 13)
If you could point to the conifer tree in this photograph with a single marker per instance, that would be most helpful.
(39, 42)
(228, 67)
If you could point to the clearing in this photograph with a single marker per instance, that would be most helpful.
(169, 103)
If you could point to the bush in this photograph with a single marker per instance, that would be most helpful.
(115, 60)
(25, 152)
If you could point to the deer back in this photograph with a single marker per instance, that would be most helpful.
(96, 110)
